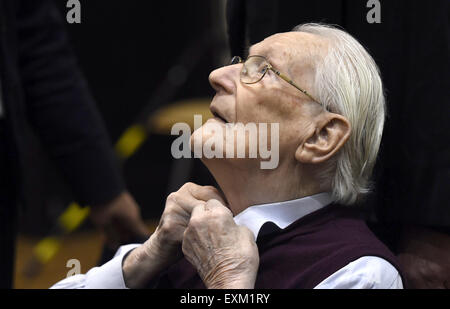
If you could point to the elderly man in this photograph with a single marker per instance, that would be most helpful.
(288, 227)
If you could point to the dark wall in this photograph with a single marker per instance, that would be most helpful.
(125, 50)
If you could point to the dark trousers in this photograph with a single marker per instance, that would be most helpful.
(8, 217)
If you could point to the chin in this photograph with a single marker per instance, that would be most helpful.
(207, 144)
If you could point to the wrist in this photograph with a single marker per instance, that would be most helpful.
(233, 285)
(227, 280)
(143, 264)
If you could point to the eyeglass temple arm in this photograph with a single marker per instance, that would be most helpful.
(290, 81)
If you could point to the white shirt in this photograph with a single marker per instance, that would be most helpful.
(368, 272)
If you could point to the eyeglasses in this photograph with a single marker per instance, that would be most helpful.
(254, 69)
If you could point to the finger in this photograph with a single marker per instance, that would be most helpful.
(212, 211)
(206, 193)
(217, 205)
(198, 211)
(183, 200)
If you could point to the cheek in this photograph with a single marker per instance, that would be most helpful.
(259, 105)
(264, 105)
(246, 105)
(293, 133)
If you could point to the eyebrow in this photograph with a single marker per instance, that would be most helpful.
(266, 54)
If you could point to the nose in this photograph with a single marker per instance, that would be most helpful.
(225, 78)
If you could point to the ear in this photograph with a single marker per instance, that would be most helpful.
(332, 131)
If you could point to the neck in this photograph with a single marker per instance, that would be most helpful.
(245, 187)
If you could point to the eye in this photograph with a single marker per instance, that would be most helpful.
(260, 67)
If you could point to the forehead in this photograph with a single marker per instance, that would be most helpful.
(283, 47)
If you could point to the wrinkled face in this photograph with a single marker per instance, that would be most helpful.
(271, 100)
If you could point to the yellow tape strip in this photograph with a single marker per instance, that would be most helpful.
(73, 216)
(46, 249)
(130, 141)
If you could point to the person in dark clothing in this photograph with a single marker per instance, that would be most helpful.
(41, 85)
(412, 47)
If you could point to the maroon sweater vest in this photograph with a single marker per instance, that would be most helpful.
(302, 255)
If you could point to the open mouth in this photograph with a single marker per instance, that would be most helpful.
(216, 114)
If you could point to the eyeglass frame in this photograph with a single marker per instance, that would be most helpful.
(270, 67)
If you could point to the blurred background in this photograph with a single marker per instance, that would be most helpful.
(138, 58)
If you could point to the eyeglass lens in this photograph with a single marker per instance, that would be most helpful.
(254, 69)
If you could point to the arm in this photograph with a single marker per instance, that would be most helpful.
(164, 247)
(64, 115)
(60, 107)
(147, 261)
(107, 276)
(424, 254)
(133, 266)
(367, 272)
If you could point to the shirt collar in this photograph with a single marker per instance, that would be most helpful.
(281, 214)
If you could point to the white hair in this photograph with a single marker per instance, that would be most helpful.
(347, 81)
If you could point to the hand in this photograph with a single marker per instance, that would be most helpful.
(120, 219)
(425, 259)
(176, 216)
(163, 248)
(224, 254)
